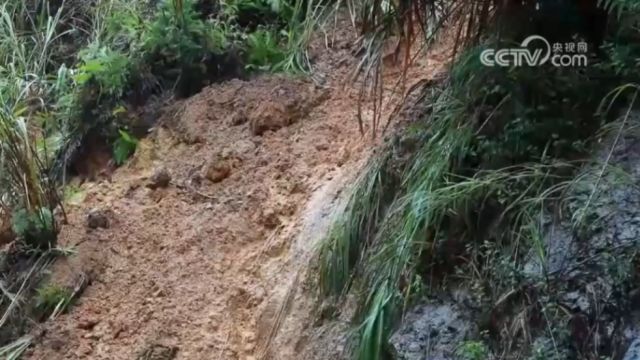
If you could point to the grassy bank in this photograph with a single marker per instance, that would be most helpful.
(498, 152)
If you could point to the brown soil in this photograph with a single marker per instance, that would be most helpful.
(213, 266)
(6, 234)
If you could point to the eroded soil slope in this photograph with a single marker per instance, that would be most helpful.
(202, 268)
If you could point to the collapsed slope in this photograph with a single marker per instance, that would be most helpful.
(206, 267)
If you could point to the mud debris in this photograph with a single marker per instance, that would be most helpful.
(269, 116)
(97, 218)
(161, 178)
(158, 352)
(216, 170)
(251, 201)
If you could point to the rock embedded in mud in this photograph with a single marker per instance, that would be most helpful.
(269, 115)
(436, 330)
(243, 148)
(158, 352)
(323, 146)
(97, 218)
(238, 118)
(87, 323)
(161, 178)
(269, 219)
(216, 171)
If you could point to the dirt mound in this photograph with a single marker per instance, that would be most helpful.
(265, 103)
(192, 266)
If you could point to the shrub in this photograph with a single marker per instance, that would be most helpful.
(124, 147)
(251, 14)
(180, 46)
(108, 68)
(264, 51)
(37, 228)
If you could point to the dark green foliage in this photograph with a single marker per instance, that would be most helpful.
(124, 147)
(527, 114)
(51, 299)
(621, 7)
(182, 48)
(251, 14)
(37, 229)
(108, 68)
(264, 51)
(501, 148)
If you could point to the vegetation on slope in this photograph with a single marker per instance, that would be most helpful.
(78, 72)
(497, 153)
(72, 70)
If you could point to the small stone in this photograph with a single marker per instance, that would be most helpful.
(97, 218)
(237, 118)
(159, 352)
(161, 178)
(87, 324)
(56, 344)
(216, 171)
(269, 115)
(83, 350)
(226, 153)
(92, 336)
(343, 156)
(577, 302)
(245, 147)
(270, 219)
(627, 234)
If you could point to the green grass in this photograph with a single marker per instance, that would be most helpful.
(473, 350)
(490, 151)
(17, 348)
(350, 234)
(51, 300)
(28, 48)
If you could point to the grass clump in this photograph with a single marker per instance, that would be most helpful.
(473, 350)
(263, 50)
(51, 300)
(36, 229)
